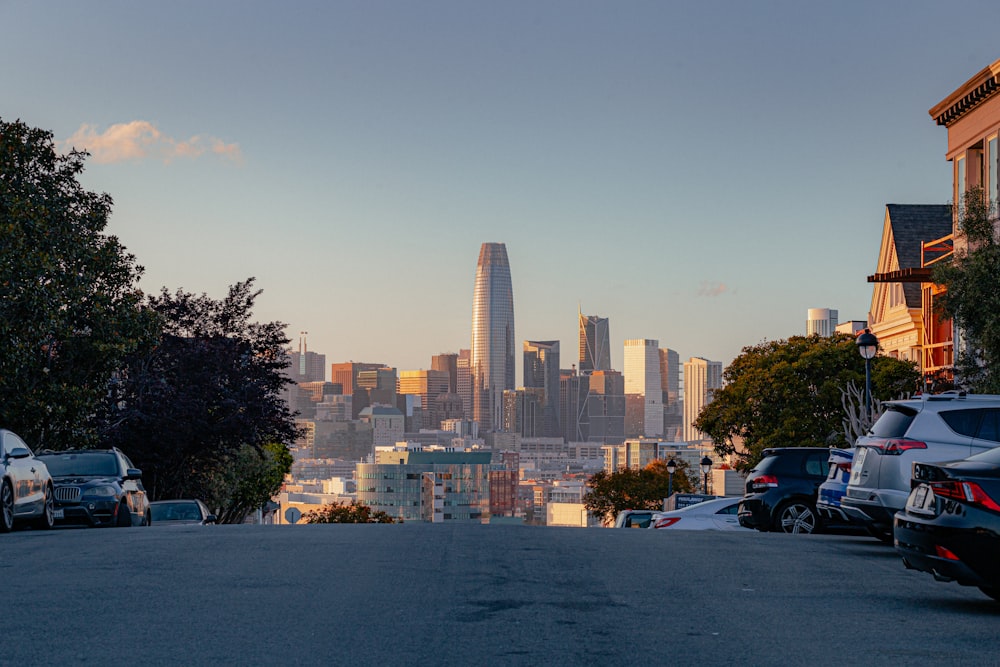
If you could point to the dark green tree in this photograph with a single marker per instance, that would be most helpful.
(248, 480)
(186, 408)
(633, 488)
(69, 303)
(972, 299)
(353, 512)
(788, 393)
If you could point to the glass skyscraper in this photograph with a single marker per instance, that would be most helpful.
(492, 358)
(595, 348)
(541, 369)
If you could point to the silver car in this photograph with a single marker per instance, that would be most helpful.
(25, 486)
(929, 429)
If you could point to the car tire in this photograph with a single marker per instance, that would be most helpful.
(48, 518)
(148, 519)
(124, 516)
(6, 507)
(796, 516)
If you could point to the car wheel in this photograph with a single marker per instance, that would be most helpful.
(124, 516)
(797, 517)
(6, 507)
(148, 519)
(48, 518)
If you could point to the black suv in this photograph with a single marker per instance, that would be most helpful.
(781, 490)
(97, 487)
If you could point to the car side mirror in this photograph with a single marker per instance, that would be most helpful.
(18, 453)
(211, 518)
(133, 473)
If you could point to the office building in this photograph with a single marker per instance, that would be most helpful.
(463, 375)
(447, 362)
(821, 321)
(606, 407)
(643, 383)
(429, 385)
(595, 346)
(670, 374)
(541, 371)
(492, 358)
(701, 378)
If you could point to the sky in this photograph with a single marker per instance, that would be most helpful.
(700, 173)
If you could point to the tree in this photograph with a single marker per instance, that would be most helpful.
(248, 480)
(69, 302)
(353, 512)
(971, 298)
(789, 394)
(186, 407)
(632, 488)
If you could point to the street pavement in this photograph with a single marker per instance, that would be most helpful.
(421, 594)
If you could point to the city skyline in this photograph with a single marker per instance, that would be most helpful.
(637, 163)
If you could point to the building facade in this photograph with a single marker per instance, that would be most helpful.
(701, 378)
(821, 322)
(595, 344)
(492, 351)
(642, 380)
(541, 371)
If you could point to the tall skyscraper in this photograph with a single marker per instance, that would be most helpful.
(670, 376)
(463, 374)
(701, 378)
(541, 370)
(606, 407)
(822, 321)
(642, 380)
(595, 347)
(492, 362)
(306, 366)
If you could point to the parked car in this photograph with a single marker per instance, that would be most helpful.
(634, 518)
(781, 490)
(180, 512)
(950, 526)
(97, 487)
(25, 485)
(929, 429)
(832, 490)
(716, 514)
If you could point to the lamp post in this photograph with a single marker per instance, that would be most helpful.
(867, 346)
(706, 466)
(671, 469)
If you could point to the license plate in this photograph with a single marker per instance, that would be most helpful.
(58, 514)
(857, 464)
(921, 500)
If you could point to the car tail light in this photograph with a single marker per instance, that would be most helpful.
(968, 492)
(763, 482)
(666, 521)
(844, 467)
(944, 553)
(895, 446)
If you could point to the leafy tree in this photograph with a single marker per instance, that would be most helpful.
(631, 488)
(353, 512)
(972, 299)
(789, 394)
(249, 480)
(69, 305)
(186, 408)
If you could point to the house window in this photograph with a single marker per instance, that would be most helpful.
(991, 171)
(959, 181)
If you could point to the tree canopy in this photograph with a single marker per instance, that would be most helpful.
(633, 488)
(971, 298)
(186, 407)
(788, 393)
(353, 512)
(69, 302)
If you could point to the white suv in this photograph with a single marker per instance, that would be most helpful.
(939, 427)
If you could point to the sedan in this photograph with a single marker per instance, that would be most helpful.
(180, 512)
(717, 514)
(25, 486)
(950, 526)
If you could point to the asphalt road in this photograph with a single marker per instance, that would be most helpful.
(419, 594)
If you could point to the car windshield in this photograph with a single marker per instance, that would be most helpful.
(181, 511)
(96, 464)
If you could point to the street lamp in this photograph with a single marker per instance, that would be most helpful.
(867, 347)
(706, 466)
(671, 469)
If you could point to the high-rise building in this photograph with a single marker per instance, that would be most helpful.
(346, 374)
(642, 379)
(541, 370)
(821, 321)
(447, 362)
(595, 346)
(306, 366)
(670, 374)
(428, 385)
(523, 412)
(573, 419)
(463, 375)
(606, 407)
(492, 362)
(701, 378)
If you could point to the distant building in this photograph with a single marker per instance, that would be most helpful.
(306, 366)
(447, 362)
(388, 424)
(642, 380)
(670, 374)
(821, 321)
(541, 371)
(574, 421)
(463, 375)
(701, 379)
(492, 362)
(606, 407)
(595, 344)
(523, 411)
(428, 385)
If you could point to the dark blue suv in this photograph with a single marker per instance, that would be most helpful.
(97, 487)
(781, 490)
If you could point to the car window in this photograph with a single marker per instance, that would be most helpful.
(963, 422)
(894, 422)
(989, 427)
(818, 464)
(730, 509)
(67, 465)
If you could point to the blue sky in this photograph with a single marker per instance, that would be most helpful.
(699, 173)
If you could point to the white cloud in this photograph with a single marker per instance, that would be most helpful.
(140, 139)
(708, 288)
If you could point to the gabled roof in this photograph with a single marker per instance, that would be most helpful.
(911, 225)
